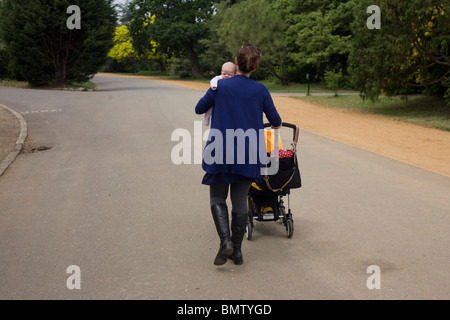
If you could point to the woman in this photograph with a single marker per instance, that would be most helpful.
(239, 104)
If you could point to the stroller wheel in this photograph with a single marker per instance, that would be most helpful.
(289, 228)
(248, 231)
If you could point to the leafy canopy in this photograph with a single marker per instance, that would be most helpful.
(41, 47)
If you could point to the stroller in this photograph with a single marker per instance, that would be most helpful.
(265, 199)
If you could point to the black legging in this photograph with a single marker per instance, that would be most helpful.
(238, 194)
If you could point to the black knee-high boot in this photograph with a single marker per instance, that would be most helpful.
(221, 220)
(238, 224)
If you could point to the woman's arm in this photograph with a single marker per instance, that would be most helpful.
(271, 112)
(205, 103)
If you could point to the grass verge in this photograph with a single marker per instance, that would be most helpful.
(423, 110)
(80, 86)
(13, 84)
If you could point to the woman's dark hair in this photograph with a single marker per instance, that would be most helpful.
(249, 58)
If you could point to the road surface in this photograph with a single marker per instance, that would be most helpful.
(104, 195)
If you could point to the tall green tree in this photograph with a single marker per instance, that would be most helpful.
(261, 23)
(409, 52)
(44, 50)
(319, 33)
(215, 51)
(178, 27)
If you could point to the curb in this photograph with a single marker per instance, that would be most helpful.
(19, 143)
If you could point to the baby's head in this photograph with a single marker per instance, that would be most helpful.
(228, 70)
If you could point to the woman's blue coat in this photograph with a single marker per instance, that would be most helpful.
(239, 105)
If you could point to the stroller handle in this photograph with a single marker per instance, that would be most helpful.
(284, 124)
(288, 125)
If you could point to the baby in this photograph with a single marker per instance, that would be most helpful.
(228, 71)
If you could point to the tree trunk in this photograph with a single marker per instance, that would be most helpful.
(282, 78)
(192, 56)
(61, 60)
(162, 65)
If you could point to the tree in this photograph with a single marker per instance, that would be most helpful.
(123, 49)
(44, 50)
(333, 80)
(319, 33)
(215, 52)
(178, 27)
(410, 52)
(261, 23)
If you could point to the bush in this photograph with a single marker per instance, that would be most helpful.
(446, 83)
(180, 67)
(333, 80)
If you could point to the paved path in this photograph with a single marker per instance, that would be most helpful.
(106, 197)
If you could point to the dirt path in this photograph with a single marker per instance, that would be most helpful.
(423, 147)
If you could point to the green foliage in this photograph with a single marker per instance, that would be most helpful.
(215, 52)
(446, 84)
(409, 53)
(178, 27)
(4, 62)
(319, 33)
(333, 80)
(82, 86)
(261, 23)
(41, 47)
(180, 67)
